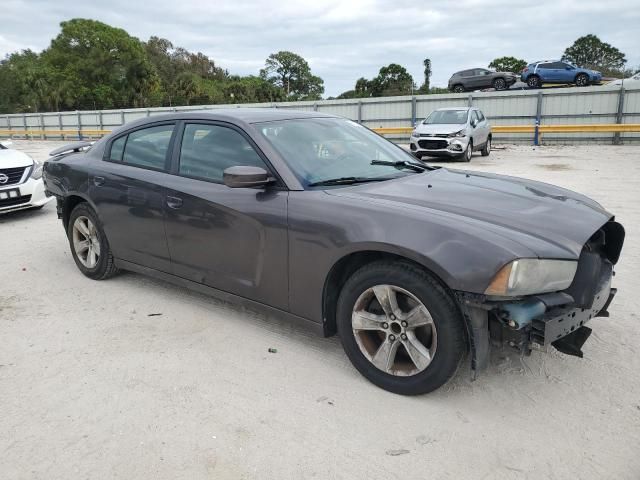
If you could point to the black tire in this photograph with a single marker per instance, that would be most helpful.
(499, 84)
(448, 321)
(105, 265)
(534, 81)
(582, 80)
(486, 150)
(468, 153)
(458, 88)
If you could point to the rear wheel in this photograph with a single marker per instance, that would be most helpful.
(534, 81)
(499, 84)
(582, 80)
(400, 328)
(458, 88)
(89, 245)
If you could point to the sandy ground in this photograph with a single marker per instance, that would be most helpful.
(93, 387)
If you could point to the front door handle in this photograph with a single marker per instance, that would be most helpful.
(98, 181)
(174, 202)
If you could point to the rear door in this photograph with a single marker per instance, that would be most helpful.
(232, 239)
(548, 72)
(126, 188)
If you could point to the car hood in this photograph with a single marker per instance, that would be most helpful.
(439, 129)
(526, 211)
(14, 158)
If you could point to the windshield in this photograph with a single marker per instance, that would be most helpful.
(447, 117)
(321, 149)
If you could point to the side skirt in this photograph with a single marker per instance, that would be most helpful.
(219, 294)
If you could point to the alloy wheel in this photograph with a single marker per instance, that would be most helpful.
(394, 330)
(86, 242)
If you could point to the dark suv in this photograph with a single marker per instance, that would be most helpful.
(478, 78)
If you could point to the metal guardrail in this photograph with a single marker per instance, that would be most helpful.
(611, 128)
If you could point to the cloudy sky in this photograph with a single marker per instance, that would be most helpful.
(343, 39)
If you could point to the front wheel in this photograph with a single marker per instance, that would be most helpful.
(89, 245)
(458, 89)
(486, 150)
(468, 153)
(582, 80)
(499, 84)
(400, 328)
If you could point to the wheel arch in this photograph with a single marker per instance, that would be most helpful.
(347, 265)
(69, 203)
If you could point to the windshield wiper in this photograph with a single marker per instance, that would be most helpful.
(348, 181)
(416, 167)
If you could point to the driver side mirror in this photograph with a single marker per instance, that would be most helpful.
(474, 123)
(246, 177)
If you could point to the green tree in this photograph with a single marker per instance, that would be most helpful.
(591, 52)
(508, 64)
(291, 73)
(393, 79)
(105, 66)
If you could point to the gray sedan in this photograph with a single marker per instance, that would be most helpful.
(318, 219)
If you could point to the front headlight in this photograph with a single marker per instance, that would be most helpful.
(528, 276)
(36, 170)
(415, 134)
(460, 133)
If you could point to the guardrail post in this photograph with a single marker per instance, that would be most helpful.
(470, 100)
(60, 125)
(536, 134)
(121, 117)
(79, 125)
(100, 123)
(359, 111)
(43, 135)
(9, 126)
(413, 111)
(315, 107)
(26, 131)
(619, 115)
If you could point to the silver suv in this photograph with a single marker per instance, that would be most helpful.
(452, 132)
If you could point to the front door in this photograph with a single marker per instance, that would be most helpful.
(232, 239)
(126, 188)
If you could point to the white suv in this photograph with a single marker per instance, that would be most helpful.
(21, 183)
(452, 132)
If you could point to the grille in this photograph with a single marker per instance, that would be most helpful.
(433, 144)
(10, 202)
(14, 174)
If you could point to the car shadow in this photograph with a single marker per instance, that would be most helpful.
(503, 362)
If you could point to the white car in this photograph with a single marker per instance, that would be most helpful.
(452, 132)
(631, 82)
(21, 183)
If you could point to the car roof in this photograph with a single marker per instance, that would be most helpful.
(233, 115)
(453, 108)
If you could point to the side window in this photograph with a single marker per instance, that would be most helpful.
(148, 147)
(117, 148)
(466, 73)
(545, 65)
(208, 150)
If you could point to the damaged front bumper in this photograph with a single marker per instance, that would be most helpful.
(558, 319)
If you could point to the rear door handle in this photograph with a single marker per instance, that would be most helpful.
(174, 202)
(97, 181)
